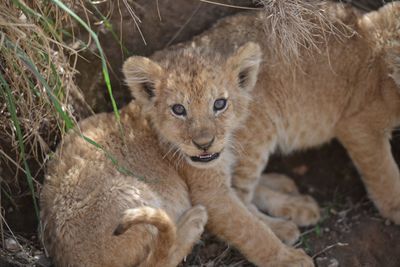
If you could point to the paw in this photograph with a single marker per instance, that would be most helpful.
(293, 258)
(392, 214)
(302, 210)
(192, 222)
(285, 230)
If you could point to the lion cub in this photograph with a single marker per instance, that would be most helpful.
(348, 89)
(97, 214)
(145, 205)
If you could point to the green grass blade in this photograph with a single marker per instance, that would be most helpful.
(68, 122)
(6, 91)
(102, 55)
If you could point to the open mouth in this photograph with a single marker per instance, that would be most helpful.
(205, 157)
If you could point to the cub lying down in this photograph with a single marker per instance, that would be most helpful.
(96, 215)
(211, 112)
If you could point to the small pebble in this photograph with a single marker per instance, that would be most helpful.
(387, 222)
(333, 263)
(42, 261)
(37, 253)
(326, 262)
(11, 245)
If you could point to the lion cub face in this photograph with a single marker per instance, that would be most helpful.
(195, 102)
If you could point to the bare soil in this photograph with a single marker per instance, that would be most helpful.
(351, 232)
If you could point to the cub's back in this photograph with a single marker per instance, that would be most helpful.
(85, 193)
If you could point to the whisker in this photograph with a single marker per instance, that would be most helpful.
(177, 149)
(171, 147)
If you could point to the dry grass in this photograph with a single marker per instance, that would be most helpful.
(37, 72)
(295, 27)
(39, 100)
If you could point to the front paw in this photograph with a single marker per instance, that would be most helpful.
(285, 230)
(291, 257)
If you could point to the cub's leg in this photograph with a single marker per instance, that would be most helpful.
(190, 227)
(246, 176)
(301, 209)
(232, 221)
(250, 163)
(278, 195)
(285, 230)
(245, 179)
(279, 182)
(369, 148)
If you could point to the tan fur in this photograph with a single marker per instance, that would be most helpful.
(349, 93)
(346, 93)
(139, 212)
(94, 215)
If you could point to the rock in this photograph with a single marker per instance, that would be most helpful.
(42, 261)
(326, 262)
(333, 263)
(12, 245)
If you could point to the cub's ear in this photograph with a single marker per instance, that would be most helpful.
(143, 77)
(245, 63)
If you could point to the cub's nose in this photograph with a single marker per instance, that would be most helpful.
(203, 143)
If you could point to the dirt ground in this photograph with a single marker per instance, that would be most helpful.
(351, 232)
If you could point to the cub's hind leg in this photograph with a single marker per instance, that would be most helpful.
(367, 143)
(278, 195)
(301, 209)
(189, 229)
(279, 182)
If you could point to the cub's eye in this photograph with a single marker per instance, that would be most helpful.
(219, 104)
(179, 110)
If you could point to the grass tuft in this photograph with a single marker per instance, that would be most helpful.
(36, 91)
(297, 26)
(39, 100)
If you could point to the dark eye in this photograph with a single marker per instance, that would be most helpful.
(179, 110)
(219, 104)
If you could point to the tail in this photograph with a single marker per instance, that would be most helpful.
(153, 216)
(382, 29)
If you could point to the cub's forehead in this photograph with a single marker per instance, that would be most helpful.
(191, 72)
(193, 62)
